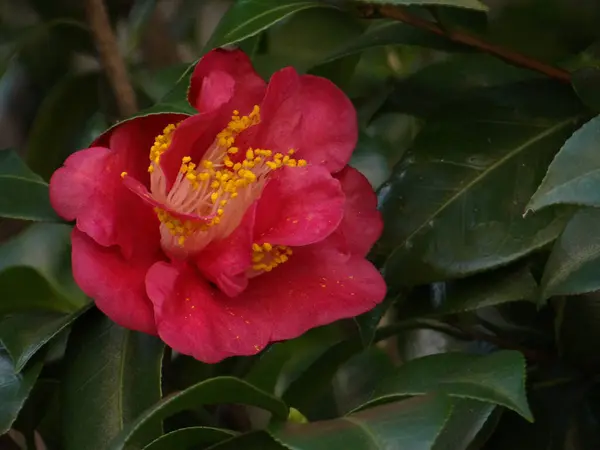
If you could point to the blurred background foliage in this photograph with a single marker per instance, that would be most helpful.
(456, 141)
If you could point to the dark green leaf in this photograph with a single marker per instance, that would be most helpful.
(60, 120)
(468, 419)
(14, 389)
(586, 82)
(35, 271)
(410, 424)
(389, 32)
(209, 392)
(467, 4)
(479, 291)
(265, 372)
(574, 175)
(24, 195)
(367, 322)
(111, 376)
(307, 388)
(447, 208)
(574, 264)
(190, 438)
(497, 378)
(249, 17)
(258, 440)
(578, 332)
(22, 335)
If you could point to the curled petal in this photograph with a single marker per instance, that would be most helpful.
(196, 319)
(310, 290)
(309, 114)
(89, 187)
(299, 206)
(223, 76)
(362, 224)
(116, 285)
(225, 262)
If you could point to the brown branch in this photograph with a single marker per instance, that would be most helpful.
(113, 63)
(510, 56)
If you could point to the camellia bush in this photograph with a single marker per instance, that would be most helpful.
(300, 224)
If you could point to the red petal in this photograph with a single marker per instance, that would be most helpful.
(89, 188)
(299, 206)
(225, 262)
(315, 288)
(311, 115)
(198, 320)
(310, 290)
(362, 224)
(223, 76)
(116, 285)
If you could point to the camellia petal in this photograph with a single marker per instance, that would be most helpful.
(362, 223)
(197, 319)
(312, 289)
(116, 285)
(222, 77)
(309, 114)
(89, 187)
(299, 206)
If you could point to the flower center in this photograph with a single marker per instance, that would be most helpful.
(221, 186)
(266, 257)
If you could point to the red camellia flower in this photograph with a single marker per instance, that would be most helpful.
(245, 225)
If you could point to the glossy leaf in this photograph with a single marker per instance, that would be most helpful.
(468, 419)
(410, 424)
(497, 378)
(367, 322)
(249, 17)
(14, 389)
(574, 264)
(24, 334)
(265, 372)
(586, 82)
(447, 208)
(467, 4)
(35, 271)
(389, 32)
(479, 291)
(60, 122)
(257, 440)
(574, 175)
(209, 392)
(190, 438)
(29, 198)
(111, 376)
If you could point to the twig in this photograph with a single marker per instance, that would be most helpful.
(106, 42)
(397, 13)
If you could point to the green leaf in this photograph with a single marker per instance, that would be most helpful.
(467, 4)
(447, 208)
(574, 264)
(410, 424)
(368, 322)
(479, 291)
(497, 378)
(468, 419)
(574, 175)
(24, 194)
(35, 269)
(111, 376)
(265, 372)
(60, 122)
(190, 438)
(14, 389)
(249, 17)
(586, 82)
(308, 387)
(22, 335)
(390, 32)
(256, 440)
(209, 392)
